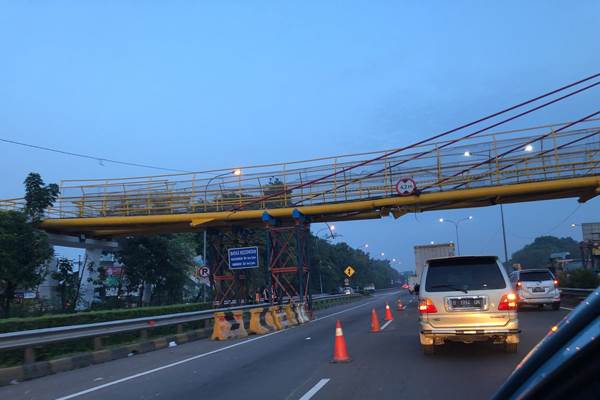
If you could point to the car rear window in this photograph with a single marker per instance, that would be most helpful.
(534, 276)
(464, 275)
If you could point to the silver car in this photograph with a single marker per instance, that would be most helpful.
(467, 299)
(536, 287)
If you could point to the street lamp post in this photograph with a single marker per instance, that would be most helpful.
(456, 223)
(236, 172)
(330, 228)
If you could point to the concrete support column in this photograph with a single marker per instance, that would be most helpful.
(90, 272)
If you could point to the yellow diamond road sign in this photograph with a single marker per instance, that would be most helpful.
(349, 271)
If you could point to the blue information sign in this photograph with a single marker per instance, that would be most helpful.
(243, 257)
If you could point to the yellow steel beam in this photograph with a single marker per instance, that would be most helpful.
(575, 187)
(352, 217)
(200, 221)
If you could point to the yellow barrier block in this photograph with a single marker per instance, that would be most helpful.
(270, 319)
(238, 330)
(275, 315)
(229, 325)
(282, 317)
(220, 327)
(256, 325)
(289, 312)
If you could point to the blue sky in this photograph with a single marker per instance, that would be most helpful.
(200, 85)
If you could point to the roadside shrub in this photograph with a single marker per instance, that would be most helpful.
(87, 317)
(579, 278)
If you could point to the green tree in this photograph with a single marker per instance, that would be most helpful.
(330, 260)
(68, 283)
(159, 262)
(23, 252)
(537, 254)
(38, 196)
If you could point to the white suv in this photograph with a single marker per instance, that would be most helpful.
(536, 287)
(467, 299)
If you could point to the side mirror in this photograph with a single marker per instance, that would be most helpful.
(417, 287)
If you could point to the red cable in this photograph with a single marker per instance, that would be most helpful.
(520, 146)
(419, 143)
(467, 136)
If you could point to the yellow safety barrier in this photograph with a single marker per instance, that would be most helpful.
(273, 310)
(258, 325)
(282, 317)
(229, 325)
(270, 319)
(291, 317)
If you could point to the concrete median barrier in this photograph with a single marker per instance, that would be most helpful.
(269, 318)
(282, 317)
(273, 310)
(229, 325)
(306, 314)
(258, 325)
(291, 316)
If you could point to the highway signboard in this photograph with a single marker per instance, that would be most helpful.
(243, 257)
(349, 271)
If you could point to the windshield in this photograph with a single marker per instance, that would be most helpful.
(534, 276)
(461, 277)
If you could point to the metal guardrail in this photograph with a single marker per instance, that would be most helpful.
(39, 337)
(575, 291)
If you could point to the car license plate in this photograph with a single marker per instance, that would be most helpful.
(468, 302)
(537, 290)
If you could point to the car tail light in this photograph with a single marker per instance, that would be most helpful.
(556, 283)
(519, 284)
(426, 306)
(508, 302)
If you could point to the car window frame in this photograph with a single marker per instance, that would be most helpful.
(503, 276)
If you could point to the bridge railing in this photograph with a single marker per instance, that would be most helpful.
(434, 167)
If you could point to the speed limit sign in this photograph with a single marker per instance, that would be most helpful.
(204, 272)
(406, 186)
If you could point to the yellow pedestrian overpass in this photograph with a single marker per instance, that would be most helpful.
(538, 163)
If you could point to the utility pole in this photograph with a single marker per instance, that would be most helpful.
(504, 234)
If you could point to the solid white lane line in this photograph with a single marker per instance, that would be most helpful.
(566, 308)
(308, 395)
(151, 371)
(386, 294)
(386, 324)
(343, 311)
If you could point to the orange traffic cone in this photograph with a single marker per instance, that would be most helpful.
(388, 313)
(374, 322)
(340, 354)
(400, 306)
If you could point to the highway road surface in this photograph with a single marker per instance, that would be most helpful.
(295, 364)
